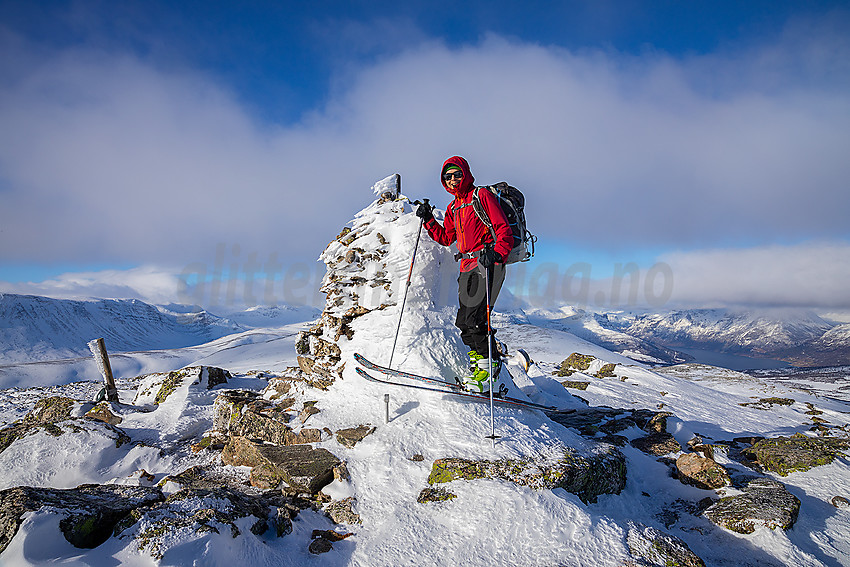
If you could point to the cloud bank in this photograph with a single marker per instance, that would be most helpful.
(105, 157)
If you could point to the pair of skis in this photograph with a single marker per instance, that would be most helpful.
(444, 386)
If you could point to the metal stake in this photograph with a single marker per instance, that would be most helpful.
(386, 408)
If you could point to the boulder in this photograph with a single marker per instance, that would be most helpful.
(342, 511)
(351, 436)
(586, 476)
(575, 385)
(435, 495)
(575, 362)
(655, 547)
(50, 410)
(784, 455)
(243, 413)
(156, 388)
(701, 472)
(658, 444)
(764, 502)
(91, 512)
(300, 466)
(103, 412)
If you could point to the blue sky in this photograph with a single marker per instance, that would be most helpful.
(143, 138)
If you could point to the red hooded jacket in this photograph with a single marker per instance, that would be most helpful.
(461, 224)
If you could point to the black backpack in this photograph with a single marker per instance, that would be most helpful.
(512, 202)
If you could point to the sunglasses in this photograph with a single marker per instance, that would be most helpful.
(452, 175)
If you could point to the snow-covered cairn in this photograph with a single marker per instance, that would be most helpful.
(367, 268)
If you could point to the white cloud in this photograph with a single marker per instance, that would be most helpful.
(805, 275)
(148, 283)
(104, 158)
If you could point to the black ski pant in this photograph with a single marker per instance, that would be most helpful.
(472, 310)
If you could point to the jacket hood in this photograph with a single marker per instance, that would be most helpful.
(467, 183)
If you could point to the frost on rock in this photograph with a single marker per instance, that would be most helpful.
(764, 502)
(587, 476)
(388, 188)
(156, 388)
(90, 512)
(653, 547)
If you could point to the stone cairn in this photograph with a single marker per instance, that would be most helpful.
(356, 283)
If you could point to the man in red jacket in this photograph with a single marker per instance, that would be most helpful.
(478, 252)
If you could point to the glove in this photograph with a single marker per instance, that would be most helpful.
(424, 212)
(489, 257)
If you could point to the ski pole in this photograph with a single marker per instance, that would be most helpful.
(492, 435)
(407, 285)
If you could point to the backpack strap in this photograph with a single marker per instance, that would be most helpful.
(482, 214)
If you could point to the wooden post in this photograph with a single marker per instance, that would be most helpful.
(98, 349)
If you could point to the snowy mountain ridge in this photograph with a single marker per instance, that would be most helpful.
(752, 330)
(40, 328)
(37, 328)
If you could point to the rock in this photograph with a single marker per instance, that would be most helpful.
(302, 344)
(435, 495)
(350, 437)
(701, 472)
(585, 476)
(574, 362)
(310, 409)
(156, 388)
(50, 410)
(53, 416)
(305, 363)
(103, 412)
(658, 444)
(651, 421)
(784, 455)
(330, 535)
(341, 473)
(342, 511)
(659, 548)
(300, 466)
(92, 512)
(764, 502)
(244, 414)
(281, 521)
(767, 403)
(588, 421)
(322, 348)
(213, 441)
(575, 385)
(607, 371)
(189, 514)
(747, 440)
(840, 502)
(319, 546)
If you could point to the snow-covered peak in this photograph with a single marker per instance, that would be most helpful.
(41, 328)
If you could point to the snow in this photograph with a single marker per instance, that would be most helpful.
(490, 523)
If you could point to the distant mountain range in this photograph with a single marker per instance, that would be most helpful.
(35, 328)
(800, 338)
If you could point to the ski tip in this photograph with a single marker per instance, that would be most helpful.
(524, 359)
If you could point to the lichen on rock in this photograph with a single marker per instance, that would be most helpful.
(587, 476)
(785, 455)
(701, 472)
(764, 502)
(575, 362)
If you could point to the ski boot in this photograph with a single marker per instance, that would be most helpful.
(478, 381)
